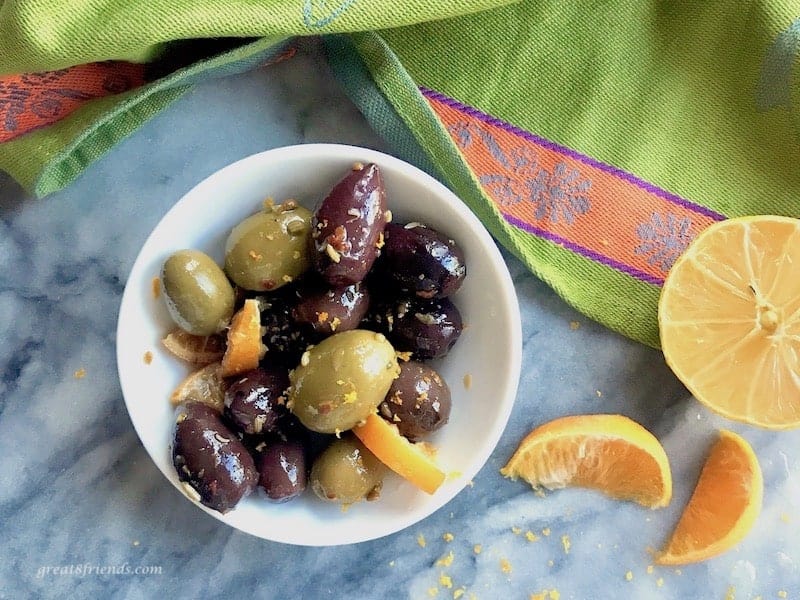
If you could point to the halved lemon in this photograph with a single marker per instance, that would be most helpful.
(729, 319)
(609, 453)
(723, 507)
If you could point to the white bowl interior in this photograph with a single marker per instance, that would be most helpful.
(488, 352)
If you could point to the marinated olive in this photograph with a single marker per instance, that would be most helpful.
(255, 400)
(282, 470)
(328, 310)
(428, 329)
(285, 342)
(348, 226)
(342, 380)
(422, 261)
(214, 464)
(198, 295)
(270, 248)
(418, 401)
(347, 472)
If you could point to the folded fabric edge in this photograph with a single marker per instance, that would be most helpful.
(396, 107)
(45, 160)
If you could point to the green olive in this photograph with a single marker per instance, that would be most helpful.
(341, 381)
(199, 297)
(346, 472)
(270, 248)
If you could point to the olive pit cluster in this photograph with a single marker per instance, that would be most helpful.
(351, 304)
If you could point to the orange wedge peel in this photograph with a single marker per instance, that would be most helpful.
(244, 348)
(204, 385)
(411, 461)
(723, 507)
(608, 453)
(195, 349)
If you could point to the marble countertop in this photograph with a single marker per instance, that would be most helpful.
(79, 493)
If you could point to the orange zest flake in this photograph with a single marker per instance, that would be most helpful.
(446, 560)
(156, 286)
(148, 357)
(445, 581)
(566, 543)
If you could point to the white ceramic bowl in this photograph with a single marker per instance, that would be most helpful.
(489, 350)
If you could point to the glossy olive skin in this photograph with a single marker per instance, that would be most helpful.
(340, 381)
(270, 248)
(348, 225)
(418, 402)
(282, 470)
(428, 329)
(255, 400)
(210, 458)
(284, 340)
(199, 297)
(329, 310)
(346, 472)
(422, 261)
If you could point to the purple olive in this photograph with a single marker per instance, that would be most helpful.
(254, 401)
(427, 329)
(210, 459)
(329, 310)
(418, 401)
(282, 469)
(347, 226)
(422, 261)
(285, 342)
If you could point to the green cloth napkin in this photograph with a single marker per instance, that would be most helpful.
(593, 139)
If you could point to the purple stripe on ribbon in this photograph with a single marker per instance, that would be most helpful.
(540, 141)
(588, 253)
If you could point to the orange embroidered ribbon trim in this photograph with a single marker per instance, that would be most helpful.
(591, 208)
(33, 100)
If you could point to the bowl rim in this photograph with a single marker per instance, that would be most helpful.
(507, 303)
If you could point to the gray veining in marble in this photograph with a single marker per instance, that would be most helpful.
(77, 488)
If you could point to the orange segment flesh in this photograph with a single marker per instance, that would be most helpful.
(195, 349)
(609, 453)
(729, 320)
(408, 460)
(204, 385)
(723, 507)
(244, 348)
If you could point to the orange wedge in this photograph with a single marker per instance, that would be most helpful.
(723, 507)
(204, 385)
(195, 349)
(244, 348)
(411, 461)
(609, 453)
(729, 319)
